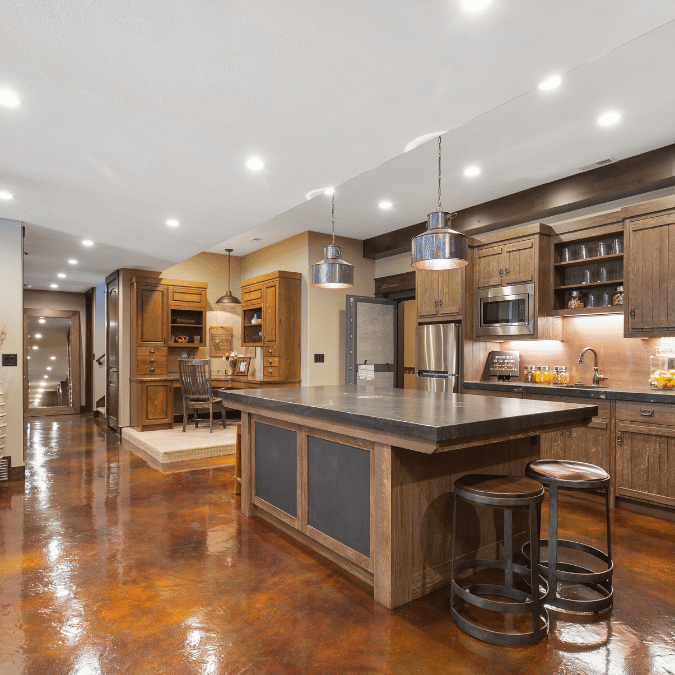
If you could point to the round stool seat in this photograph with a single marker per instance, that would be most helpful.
(567, 473)
(498, 487)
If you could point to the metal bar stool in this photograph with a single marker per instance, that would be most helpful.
(554, 474)
(505, 492)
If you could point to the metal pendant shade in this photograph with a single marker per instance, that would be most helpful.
(228, 300)
(332, 271)
(440, 247)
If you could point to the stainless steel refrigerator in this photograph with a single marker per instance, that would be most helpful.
(437, 357)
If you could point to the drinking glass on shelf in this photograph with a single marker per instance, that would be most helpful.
(617, 245)
(584, 252)
(603, 274)
(606, 299)
(566, 254)
(588, 277)
(592, 300)
(603, 248)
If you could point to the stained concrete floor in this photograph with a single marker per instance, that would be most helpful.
(108, 565)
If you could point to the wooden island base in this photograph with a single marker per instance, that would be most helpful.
(377, 504)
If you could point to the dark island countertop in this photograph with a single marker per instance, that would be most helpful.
(423, 415)
(642, 394)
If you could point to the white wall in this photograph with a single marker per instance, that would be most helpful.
(11, 319)
(74, 302)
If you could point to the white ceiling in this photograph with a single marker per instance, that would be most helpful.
(133, 113)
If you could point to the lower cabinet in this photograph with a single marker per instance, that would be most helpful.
(152, 405)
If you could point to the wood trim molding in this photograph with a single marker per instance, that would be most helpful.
(394, 284)
(636, 175)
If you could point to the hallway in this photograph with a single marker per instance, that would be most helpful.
(110, 566)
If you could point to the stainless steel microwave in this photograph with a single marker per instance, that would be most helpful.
(505, 311)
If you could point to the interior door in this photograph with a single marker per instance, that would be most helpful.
(371, 356)
(112, 349)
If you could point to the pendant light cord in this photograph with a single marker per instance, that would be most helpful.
(440, 208)
(333, 218)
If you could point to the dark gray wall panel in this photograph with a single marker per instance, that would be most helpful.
(276, 467)
(338, 492)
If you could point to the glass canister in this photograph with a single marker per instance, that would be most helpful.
(575, 301)
(560, 375)
(662, 369)
(529, 374)
(542, 375)
(618, 296)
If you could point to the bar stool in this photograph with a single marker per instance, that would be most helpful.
(554, 474)
(505, 492)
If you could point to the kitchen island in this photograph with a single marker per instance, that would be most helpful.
(365, 476)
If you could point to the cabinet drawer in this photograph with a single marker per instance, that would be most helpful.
(272, 350)
(190, 297)
(604, 406)
(156, 370)
(270, 361)
(251, 295)
(645, 413)
(151, 351)
(270, 372)
(151, 360)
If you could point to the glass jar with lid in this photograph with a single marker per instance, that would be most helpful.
(529, 374)
(618, 296)
(575, 301)
(662, 369)
(543, 375)
(560, 375)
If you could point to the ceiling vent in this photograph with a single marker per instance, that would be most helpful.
(595, 165)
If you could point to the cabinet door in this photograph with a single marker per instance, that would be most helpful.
(489, 267)
(450, 291)
(519, 263)
(187, 297)
(591, 444)
(156, 403)
(426, 293)
(645, 463)
(270, 329)
(651, 284)
(152, 315)
(552, 445)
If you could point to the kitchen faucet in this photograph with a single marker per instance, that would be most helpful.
(596, 378)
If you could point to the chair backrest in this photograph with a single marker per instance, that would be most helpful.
(195, 377)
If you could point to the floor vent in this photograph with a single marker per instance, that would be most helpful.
(4, 469)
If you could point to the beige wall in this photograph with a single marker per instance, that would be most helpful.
(396, 264)
(11, 319)
(74, 302)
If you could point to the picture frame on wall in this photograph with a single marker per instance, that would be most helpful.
(243, 364)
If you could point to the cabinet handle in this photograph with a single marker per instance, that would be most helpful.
(632, 313)
(646, 412)
(501, 272)
(506, 271)
(440, 302)
(619, 439)
(561, 432)
(152, 360)
(269, 361)
(435, 303)
(152, 370)
(152, 351)
(569, 433)
(270, 370)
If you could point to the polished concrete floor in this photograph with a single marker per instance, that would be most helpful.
(108, 565)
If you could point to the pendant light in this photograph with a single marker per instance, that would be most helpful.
(332, 271)
(439, 248)
(228, 300)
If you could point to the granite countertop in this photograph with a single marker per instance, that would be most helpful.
(640, 394)
(419, 414)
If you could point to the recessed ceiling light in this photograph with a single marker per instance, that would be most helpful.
(255, 239)
(471, 171)
(42, 320)
(37, 335)
(172, 222)
(54, 285)
(609, 118)
(53, 358)
(254, 163)
(475, 5)
(72, 261)
(8, 98)
(87, 242)
(5, 195)
(329, 191)
(49, 367)
(384, 204)
(422, 139)
(28, 357)
(46, 377)
(61, 275)
(550, 83)
(34, 346)
(319, 191)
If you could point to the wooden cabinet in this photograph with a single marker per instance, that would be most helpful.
(271, 319)
(439, 294)
(506, 264)
(650, 288)
(151, 314)
(152, 404)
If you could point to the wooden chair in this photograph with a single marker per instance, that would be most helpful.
(195, 384)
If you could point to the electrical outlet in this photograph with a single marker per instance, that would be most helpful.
(318, 358)
(9, 360)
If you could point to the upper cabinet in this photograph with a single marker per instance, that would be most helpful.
(506, 264)
(271, 319)
(439, 294)
(151, 314)
(650, 288)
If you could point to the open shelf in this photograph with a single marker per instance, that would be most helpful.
(593, 284)
(588, 311)
(589, 261)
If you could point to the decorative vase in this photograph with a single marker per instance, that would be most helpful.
(254, 320)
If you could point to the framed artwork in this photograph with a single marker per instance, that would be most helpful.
(243, 363)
